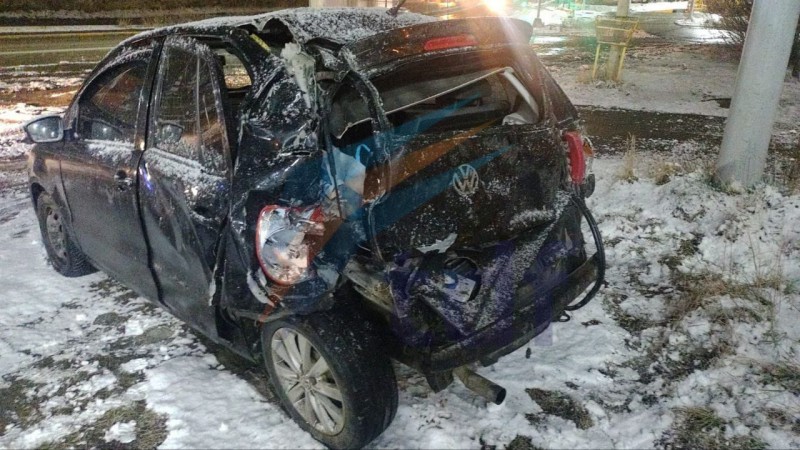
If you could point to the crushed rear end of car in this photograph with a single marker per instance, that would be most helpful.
(439, 190)
(461, 161)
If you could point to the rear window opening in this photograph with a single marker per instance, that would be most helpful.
(458, 102)
(419, 102)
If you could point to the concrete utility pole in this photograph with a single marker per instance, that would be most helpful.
(614, 53)
(757, 92)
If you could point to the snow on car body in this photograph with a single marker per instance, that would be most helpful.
(324, 189)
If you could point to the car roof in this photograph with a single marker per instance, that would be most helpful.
(340, 25)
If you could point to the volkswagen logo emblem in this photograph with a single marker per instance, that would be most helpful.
(465, 180)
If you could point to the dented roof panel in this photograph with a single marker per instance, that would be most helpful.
(343, 25)
(340, 25)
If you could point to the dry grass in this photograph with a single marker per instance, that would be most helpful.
(561, 405)
(695, 289)
(701, 427)
(783, 419)
(759, 292)
(734, 17)
(785, 375)
(662, 171)
(627, 172)
(151, 430)
(792, 170)
(698, 289)
(520, 443)
(19, 403)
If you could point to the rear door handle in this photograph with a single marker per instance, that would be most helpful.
(123, 180)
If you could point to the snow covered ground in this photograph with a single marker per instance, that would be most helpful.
(693, 343)
(11, 118)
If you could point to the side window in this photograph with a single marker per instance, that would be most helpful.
(236, 78)
(212, 123)
(176, 127)
(233, 69)
(108, 109)
(188, 121)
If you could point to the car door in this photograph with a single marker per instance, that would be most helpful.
(102, 152)
(185, 178)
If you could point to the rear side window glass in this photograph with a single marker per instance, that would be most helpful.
(176, 122)
(211, 123)
(188, 120)
(109, 108)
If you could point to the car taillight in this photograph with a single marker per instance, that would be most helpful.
(577, 157)
(443, 43)
(285, 242)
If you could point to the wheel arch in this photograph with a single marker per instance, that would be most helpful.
(36, 191)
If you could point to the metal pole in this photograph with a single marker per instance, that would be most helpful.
(537, 23)
(614, 54)
(759, 82)
(690, 10)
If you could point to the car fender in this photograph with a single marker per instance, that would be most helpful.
(44, 175)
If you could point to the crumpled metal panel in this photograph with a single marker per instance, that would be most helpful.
(517, 172)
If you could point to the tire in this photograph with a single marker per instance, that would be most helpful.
(360, 391)
(64, 255)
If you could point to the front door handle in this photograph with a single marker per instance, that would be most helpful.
(123, 180)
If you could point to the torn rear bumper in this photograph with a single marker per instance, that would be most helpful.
(506, 335)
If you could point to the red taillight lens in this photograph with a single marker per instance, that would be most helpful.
(284, 242)
(577, 158)
(443, 43)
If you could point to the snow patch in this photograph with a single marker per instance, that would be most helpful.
(123, 432)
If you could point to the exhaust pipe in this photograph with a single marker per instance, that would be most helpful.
(480, 385)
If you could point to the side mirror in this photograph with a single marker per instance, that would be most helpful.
(45, 129)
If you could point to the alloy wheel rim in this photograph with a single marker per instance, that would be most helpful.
(55, 234)
(308, 381)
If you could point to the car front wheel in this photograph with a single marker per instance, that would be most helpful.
(331, 377)
(64, 255)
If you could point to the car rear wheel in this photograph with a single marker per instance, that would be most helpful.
(64, 255)
(331, 377)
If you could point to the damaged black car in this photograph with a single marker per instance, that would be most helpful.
(325, 191)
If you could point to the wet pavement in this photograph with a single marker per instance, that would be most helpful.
(676, 27)
(609, 129)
